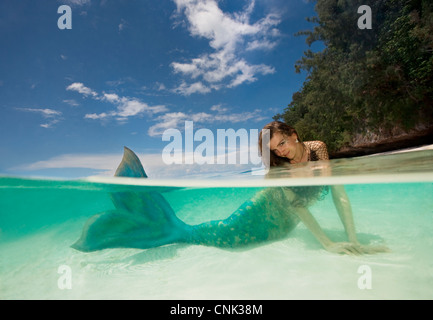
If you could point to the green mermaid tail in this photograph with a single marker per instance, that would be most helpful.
(265, 217)
(146, 220)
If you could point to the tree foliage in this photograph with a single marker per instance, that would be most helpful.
(365, 80)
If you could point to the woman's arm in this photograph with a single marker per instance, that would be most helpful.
(342, 204)
(337, 247)
(339, 197)
(344, 209)
(311, 223)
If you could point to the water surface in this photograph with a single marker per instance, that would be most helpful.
(391, 197)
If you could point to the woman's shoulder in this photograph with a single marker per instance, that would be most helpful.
(318, 150)
(315, 145)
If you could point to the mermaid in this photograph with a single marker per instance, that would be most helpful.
(146, 220)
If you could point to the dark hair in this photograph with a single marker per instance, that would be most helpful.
(305, 195)
(275, 127)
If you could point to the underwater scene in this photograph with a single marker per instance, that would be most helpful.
(391, 195)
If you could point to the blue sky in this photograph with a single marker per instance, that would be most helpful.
(130, 69)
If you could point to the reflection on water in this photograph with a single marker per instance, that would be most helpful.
(419, 162)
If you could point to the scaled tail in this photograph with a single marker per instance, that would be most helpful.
(141, 219)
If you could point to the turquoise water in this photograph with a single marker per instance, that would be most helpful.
(391, 198)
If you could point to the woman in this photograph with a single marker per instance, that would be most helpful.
(286, 147)
(146, 220)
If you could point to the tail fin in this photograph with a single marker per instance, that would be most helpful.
(130, 166)
(141, 219)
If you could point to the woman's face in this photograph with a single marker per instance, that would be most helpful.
(283, 146)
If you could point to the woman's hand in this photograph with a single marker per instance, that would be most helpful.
(352, 248)
(370, 249)
(344, 248)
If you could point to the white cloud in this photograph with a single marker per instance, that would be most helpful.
(256, 44)
(80, 88)
(226, 33)
(71, 102)
(188, 89)
(218, 108)
(176, 120)
(49, 124)
(95, 116)
(186, 68)
(45, 112)
(115, 83)
(167, 121)
(207, 20)
(76, 2)
(160, 86)
(53, 116)
(122, 25)
(111, 97)
(240, 117)
(125, 107)
(132, 107)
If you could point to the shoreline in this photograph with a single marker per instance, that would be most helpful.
(393, 144)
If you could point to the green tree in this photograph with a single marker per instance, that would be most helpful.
(365, 80)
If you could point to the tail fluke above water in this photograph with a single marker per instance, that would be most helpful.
(141, 219)
(130, 166)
